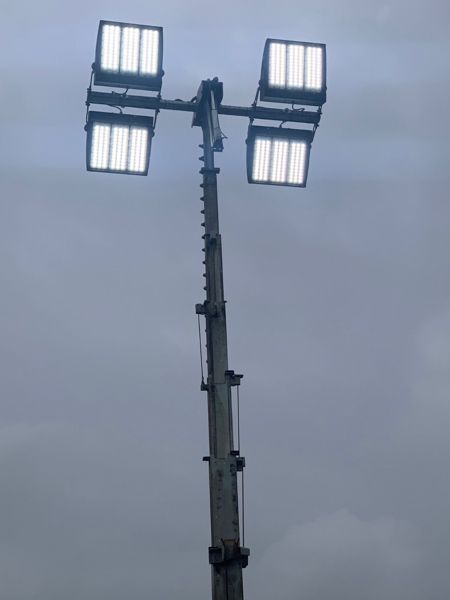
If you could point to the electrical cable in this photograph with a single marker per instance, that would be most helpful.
(89, 89)
(255, 101)
(238, 407)
(201, 351)
(157, 111)
(238, 404)
(243, 508)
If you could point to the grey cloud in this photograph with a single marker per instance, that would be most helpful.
(338, 316)
(342, 556)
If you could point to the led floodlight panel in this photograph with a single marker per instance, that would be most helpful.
(118, 143)
(293, 72)
(129, 55)
(278, 156)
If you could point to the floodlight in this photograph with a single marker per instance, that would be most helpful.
(278, 156)
(118, 143)
(293, 72)
(129, 56)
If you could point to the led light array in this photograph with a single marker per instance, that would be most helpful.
(295, 66)
(129, 49)
(293, 71)
(278, 156)
(129, 55)
(119, 143)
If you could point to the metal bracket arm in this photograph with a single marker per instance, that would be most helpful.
(250, 112)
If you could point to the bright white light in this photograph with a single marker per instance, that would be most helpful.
(123, 148)
(110, 48)
(261, 159)
(149, 52)
(278, 169)
(279, 161)
(129, 50)
(138, 150)
(295, 65)
(119, 148)
(129, 60)
(313, 75)
(277, 65)
(100, 146)
(297, 163)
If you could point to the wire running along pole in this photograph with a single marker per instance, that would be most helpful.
(201, 350)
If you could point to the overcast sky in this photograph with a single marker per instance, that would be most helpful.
(338, 312)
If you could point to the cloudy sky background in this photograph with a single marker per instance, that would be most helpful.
(338, 312)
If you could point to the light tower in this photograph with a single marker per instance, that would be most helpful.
(130, 56)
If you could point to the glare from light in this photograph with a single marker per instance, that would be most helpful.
(129, 60)
(100, 146)
(279, 161)
(261, 159)
(297, 163)
(149, 52)
(295, 66)
(110, 49)
(277, 65)
(130, 50)
(119, 148)
(313, 75)
(138, 150)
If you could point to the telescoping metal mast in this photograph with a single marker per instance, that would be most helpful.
(130, 56)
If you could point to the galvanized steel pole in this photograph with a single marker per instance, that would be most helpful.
(226, 556)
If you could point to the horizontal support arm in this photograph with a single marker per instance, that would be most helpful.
(251, 112)
(272, 114)
(146, 102)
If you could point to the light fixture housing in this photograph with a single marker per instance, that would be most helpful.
(118, 143)
(129, 56)
(278, 156)
(293, 72)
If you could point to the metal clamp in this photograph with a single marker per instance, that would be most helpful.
(200, 309)
(216, 555)
(207, 309)
(233, 378)
(205, 171)
(240, 463)
(228, 552)
(240, 460)
(244, 554)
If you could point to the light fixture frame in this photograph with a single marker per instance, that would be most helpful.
(254, 131)
(107, 118)
(152, 83)
(292, 96)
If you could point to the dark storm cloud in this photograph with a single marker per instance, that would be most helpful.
(339, 316)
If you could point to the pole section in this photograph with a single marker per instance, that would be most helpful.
(226, 556)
